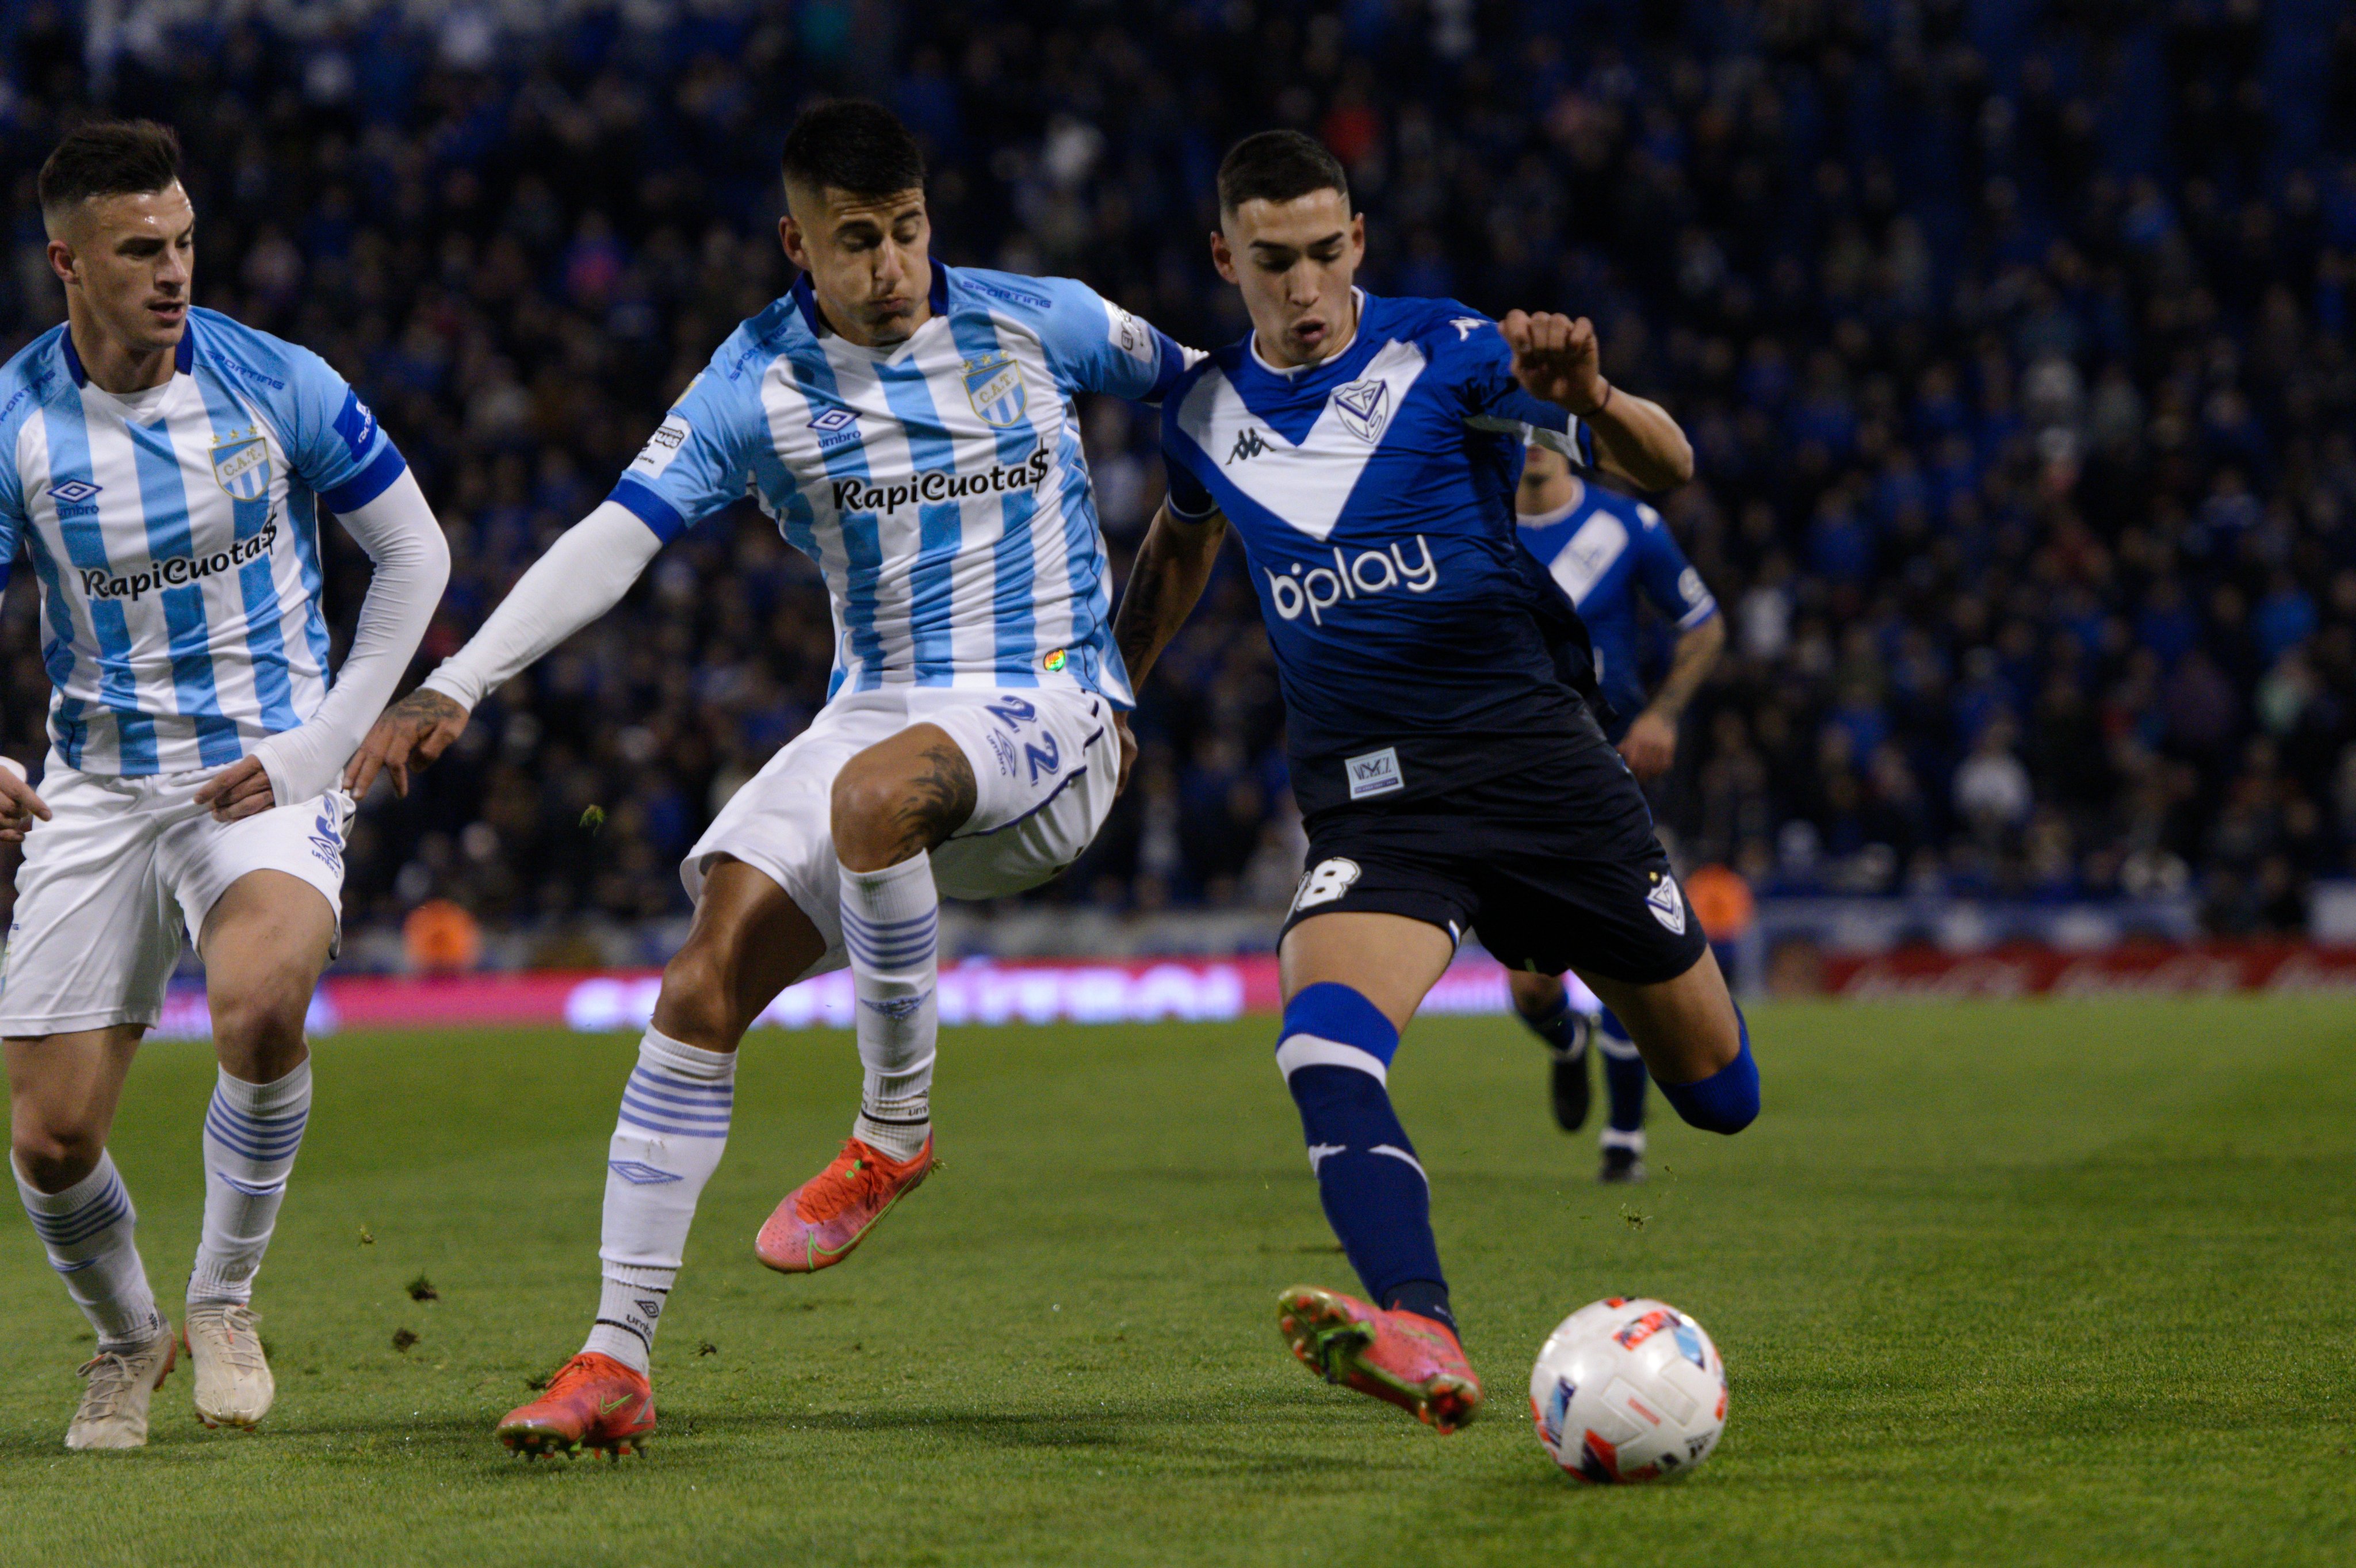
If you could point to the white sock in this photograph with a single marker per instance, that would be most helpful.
(1612, 1138)
(666, 1143)
(87, 1232)
(251, 1133)
(891, 926)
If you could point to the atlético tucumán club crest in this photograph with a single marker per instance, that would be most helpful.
(994, 386)
(241, 464)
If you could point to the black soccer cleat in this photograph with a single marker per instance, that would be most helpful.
(1620, 1168)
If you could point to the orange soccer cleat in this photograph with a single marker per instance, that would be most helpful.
(593, 1401)
(1399, 1358)
(821, 1220)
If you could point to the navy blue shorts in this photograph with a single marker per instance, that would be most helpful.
(1554, 865)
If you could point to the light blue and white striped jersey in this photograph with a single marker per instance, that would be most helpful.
(176, 536)
(938, 484)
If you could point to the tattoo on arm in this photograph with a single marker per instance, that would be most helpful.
(1172, 566)
(426, 708)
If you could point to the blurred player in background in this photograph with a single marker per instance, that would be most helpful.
(1450, 777)
(164, 467)
(1604, 549)
(911, 427)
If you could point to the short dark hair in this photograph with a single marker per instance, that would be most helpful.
(853, 145)
(109, 157)
(1279, 166)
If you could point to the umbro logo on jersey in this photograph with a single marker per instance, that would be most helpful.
(836, 427)
(637, 1173)
(74, 492)
(1365, 408)
(1666, 906)
(1248, 444)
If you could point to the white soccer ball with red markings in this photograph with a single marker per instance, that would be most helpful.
(1628, 1390)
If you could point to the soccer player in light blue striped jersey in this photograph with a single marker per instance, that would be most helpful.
(911, 427)
(164, 468)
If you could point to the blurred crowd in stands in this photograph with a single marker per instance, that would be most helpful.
(2014, 342)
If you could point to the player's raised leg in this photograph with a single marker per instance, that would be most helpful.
(749, 940)
(1695, 1041)
(890, 806)
(1351, 980)
(63, 1090)
(264, 943)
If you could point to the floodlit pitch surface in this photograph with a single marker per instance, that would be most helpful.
(2054, 1282)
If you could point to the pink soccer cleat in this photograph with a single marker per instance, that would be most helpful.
(1399, 1358)
(821, 1220)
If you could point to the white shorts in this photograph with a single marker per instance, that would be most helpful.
(121, 870)
(1046, 762)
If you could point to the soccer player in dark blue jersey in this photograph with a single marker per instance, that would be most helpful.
(1452, 778)
(1605, 550)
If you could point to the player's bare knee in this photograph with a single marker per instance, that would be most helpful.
(866, 815)
(258, 1026)
(55, 1149)
(698, 1002)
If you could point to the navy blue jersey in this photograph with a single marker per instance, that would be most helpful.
(1603, 550)
(1416, 639)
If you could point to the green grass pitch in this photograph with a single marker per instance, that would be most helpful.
(2049, 1283)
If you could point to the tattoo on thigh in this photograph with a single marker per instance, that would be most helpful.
(941, 796)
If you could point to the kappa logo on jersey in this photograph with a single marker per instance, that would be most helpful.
(1320, 589)
(941, 485)
(1365, 408)
(1326, 881)
(175, 571)
(836, 427)
(241, 465)
(1666, 906)
(1248, 444)
(994, 386)
(73, 493)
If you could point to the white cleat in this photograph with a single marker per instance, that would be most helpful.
(234, 1387)
(116, 1387)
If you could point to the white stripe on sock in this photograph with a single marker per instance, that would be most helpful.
(1299, 1051)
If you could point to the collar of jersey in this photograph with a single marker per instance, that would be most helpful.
(806, 300)
(184, 354)
(1290, 400)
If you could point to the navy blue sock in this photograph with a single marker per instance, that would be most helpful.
(1335, 1053)
(1558, 1025)
(1624, 1076)
(1728, 1100)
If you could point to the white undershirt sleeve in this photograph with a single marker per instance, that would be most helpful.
(585, 574)
(412, 566)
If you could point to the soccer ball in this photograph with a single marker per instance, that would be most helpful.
(1628, 1390)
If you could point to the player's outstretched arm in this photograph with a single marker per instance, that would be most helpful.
(1651, 743)
(585, 574)
(1559, 361)
(401, 535)
(1173, 565)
